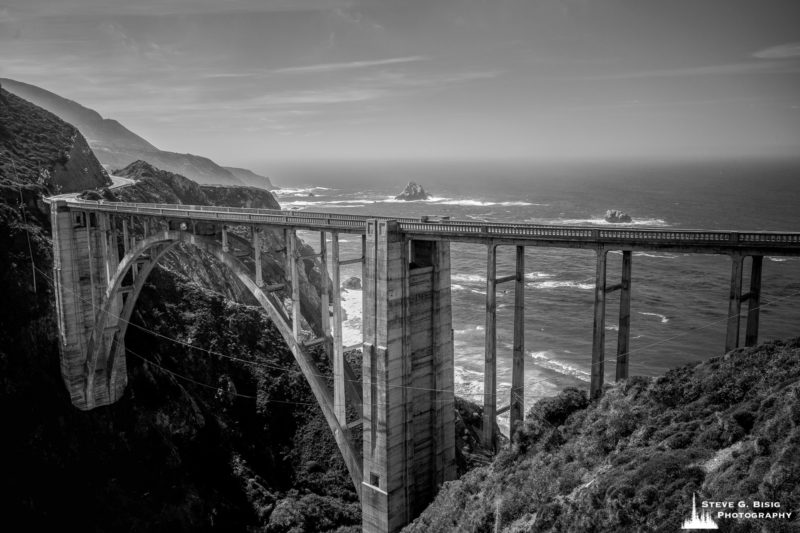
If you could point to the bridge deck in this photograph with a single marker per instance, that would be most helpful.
(680, 240)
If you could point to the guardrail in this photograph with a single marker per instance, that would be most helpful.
(357, 224)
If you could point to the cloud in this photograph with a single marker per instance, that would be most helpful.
(782, 51)
(334, 67)
(730, 69)
(35, 8)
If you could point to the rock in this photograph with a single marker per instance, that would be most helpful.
(413, 191)
(616, 216)
(353, 283)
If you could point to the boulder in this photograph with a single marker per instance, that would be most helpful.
(353, 283)
(616, 216)
(413, 191)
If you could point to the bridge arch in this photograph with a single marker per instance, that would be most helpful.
(157, 246)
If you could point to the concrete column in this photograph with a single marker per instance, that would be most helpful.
(599, 330)
(339, 391)
(754, 301)
(257, 256)
(225, 246)
(92, 273)
(517, 412)
(325, 312)
(408, 437)
(490, 352)
(126, 243)
(295, 279)
(734, 303)
(624, 333)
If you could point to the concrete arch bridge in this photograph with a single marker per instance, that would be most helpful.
(103, 253)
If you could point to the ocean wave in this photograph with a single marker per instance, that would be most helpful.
(545, 359)
(479, 203)
(552, 284)
(288, 191)
(298, 204)
(537, 275)
(465, 331)
(468, 278)
(652, 222)
(663, 318)
(612, 327)
(656, 255)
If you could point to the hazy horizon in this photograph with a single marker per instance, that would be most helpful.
(246, 82)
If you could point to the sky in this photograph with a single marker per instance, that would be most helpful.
(246, 81)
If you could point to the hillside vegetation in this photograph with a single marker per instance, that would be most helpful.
(726, 429)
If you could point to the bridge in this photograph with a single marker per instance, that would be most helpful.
(104, 252)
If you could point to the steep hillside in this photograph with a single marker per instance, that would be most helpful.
(199, 442)
(116, 146)
(36, 147)
(251, 178)
(727, 429)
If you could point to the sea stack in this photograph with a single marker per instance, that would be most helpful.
(413, 191)
(616, 216)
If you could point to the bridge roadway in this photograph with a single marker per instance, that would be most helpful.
(677, 240)
(104, 251)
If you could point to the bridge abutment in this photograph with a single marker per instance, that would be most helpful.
(409, 431)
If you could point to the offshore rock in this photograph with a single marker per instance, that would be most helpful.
(413, 191)
(353, 283)
(617, 216)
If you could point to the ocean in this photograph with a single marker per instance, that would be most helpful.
(679, 301)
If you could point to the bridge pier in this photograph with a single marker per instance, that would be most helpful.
(82, 260)
(517, 400)
(734, 303)
(599, 329)
(409, 431)
(490, 353)
(754, 301)
(736, 298)
(624, 331)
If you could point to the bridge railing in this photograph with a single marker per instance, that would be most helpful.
(478, 230)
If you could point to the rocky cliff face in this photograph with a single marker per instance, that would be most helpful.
(240, 196)
(251, 178)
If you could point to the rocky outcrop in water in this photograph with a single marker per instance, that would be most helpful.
(413, 191)
(353, 283)
(617, 216)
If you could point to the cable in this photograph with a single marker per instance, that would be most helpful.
(25, 221)
(190, 380)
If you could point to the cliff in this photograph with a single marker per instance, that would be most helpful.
(36, 147)
(727, 429)
(116, 146)
(198, 442)
(251, 178)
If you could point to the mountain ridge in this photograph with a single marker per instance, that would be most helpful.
(116, 147)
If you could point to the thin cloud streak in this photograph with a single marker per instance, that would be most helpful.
(732, 69)
(782, 51)
(352, 65)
